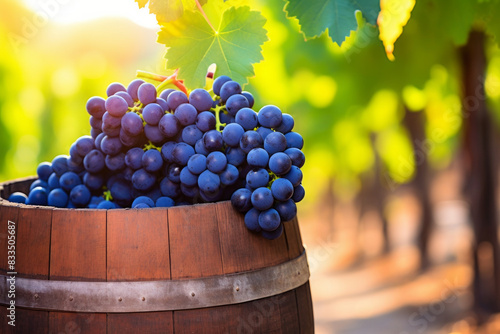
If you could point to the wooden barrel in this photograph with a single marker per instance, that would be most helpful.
(186, 269)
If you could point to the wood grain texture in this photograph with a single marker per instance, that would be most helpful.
(33, 242)
(243, 250)
(131, 323)
(293, 239)
(78, 246)
(137, 243)
(82, 323)
(27, 321)
(305, 309)
(194, 241)
(289, 312)
(8, 211)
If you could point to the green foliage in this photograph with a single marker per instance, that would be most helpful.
(234, 46)
(338, 16)
(169, 10)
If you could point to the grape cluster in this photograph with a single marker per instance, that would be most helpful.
(148, 150)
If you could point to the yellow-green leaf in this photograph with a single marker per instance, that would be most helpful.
(169, 10)
(393, 17)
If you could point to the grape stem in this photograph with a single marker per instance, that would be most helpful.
(164, 80)
(218, 124)
(107, 195)
(205, 16)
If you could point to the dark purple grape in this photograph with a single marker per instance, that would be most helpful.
(133, 158)
(114, 88)
(126, 97)
(146, 93)
(270, 116)
(132, 124)
(200, 99)
(218, 82)
(205, 121)
(236, 102)
(250, 140)
(275, 142)
(152, 113)
(111, 145)
(116, 106)
(133, 87)
(169, 125)
(175, 99)
(212, 140)
(96, 106)
(249, 97)
(229, 89)
(94, 161)
(115, 162)
(164, 94)
(154, 134)
(186, 114)
(143, 180)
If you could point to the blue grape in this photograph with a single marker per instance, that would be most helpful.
(232, 134)
(293, 139)
(106, 205)
(298, 193)
(175, 99)
(133, 87)
(96, 107)
(212, 140)
(282, 189)
(44, 170)
(247, 118)
(98, 141)
(287, 123)
(141, 206)
(236, 102)
(127, 173)
(297, 156)
(154, 193)
(146, 93)
(258, 157)
(181, 153)
(143, 180)
(111, 145)
(211, 197)
(216, 162)
(252, 220)
(18, 197)
(218, 82)
(74, 154)
(269, 220)
(114, 88)
(272, 235)
(294, 176)
(241, 200)
(152, 160)
(75, 166)
(190, 192)
(95, 123)
(95, 132)
(53, 181)
(166, 151)
(94, 161)
(169, 125)
(200, 148)
(116, 106)
(280, 163)
(163, 104)
(197, 163)
(250, 140)
(229, 175)
(38, 183)
(145, 200)
(94, 201)
(69, 180)
(205, 121)
(257, 177)
(80, 196)
(186, 114)
(287, 210)
(187, 178)
(126, 97)
(164, 202)
(84, 145)
(60, 164)
(235, 156)
(229, 89)
(133, 158)
(200, 99)
(225, 118)
(115, 162)
(264, 132)
(164, 94)
(174, 172)
(262, 199)
(275, 142)
(249, 98)
(93, 181)
(121, 191)
(191, 134)
(132, 124)
(209, 182)
(270, 116)
(152, 113)
(37, 196)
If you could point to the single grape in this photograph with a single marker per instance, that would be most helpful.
(116, 106)
(262, 199)
(272, 235)
(169, 188)
(252, 220)
(44, 170)
(293, 139)
(236, 102)
(264, 132)
(69, 180)
(200, 148)
(39, 183)
(205, 121)
(143, 180)
(166, 151)
(280, 163)
(257, 177)
(154, 134)
(106, 205)
(191, 134)
(98, 140)
(181, 153)
(121, 190)
(18, 197)
(141, 206)
(294, 176)
(270, 116)
(232, 134)
(235, 156)
(186, 114)
(190, 192)
(297, 156)
(247, 118)
(133, 158)
(152, 160)
(111, 145)
(95, 123)
(93, 181)
(146, 93)
(200, 99)
(250, 140)
(197, 163)
(114, 88)
(96, 107)
(241, 200)
(80, 196)
(212, 140)
(164, 94)
(169, 125)
(229, 175)
(209, 182)
(229, 89)
(163, 104)
(145, 200)
(282, 189)
(84, 145)
(269, 220)
(218, 82)
(258, 157)
(60, 164)
(53, 181)
(287, 210)
(115, 162)
(132, 88)
(126, 97)
(152, 113)
(216, 162)
(132, 124)
(249, 98)
(187, 178)
(37, 196)
(175, 99)
(298, 193)
(173, 173)
(287, 123)
(164, 202)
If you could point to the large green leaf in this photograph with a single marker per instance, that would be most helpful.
(338, 16)
(168, 10)
(235, 45)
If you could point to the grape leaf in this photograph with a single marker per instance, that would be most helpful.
(168, 10)
(393, 17)
(235, 45)
(338, 16)
(457, 18)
